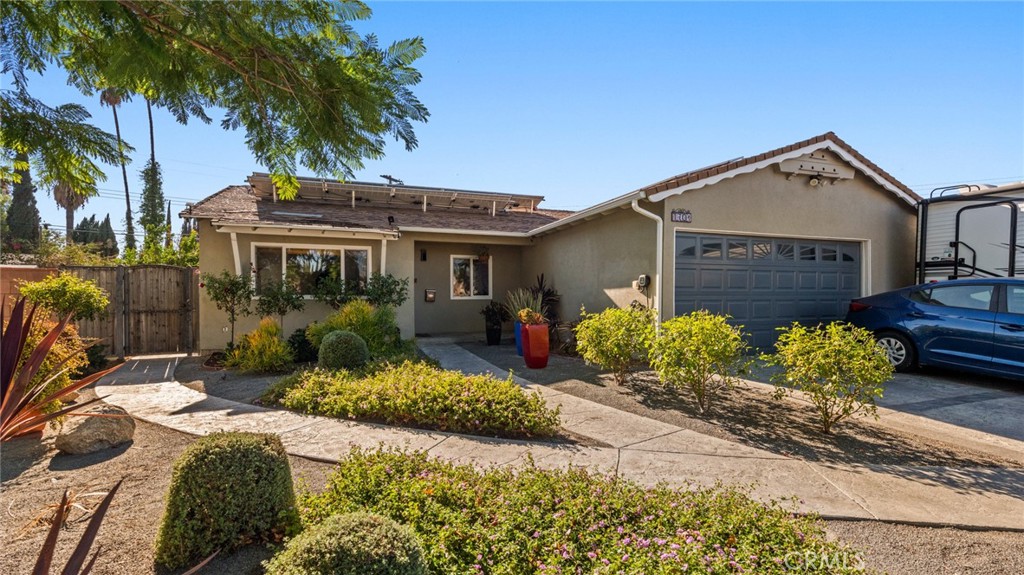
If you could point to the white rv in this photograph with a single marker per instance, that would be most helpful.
(971, 231)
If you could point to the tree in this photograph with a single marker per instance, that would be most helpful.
(87, 231)
(68, 199)
(108, 238)
(24, 226)
(113, 97)
(231, 294)
(279, 298)
(296, 76)
(152, 219)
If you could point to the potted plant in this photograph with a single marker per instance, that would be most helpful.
(535, 338)
(516, 300)
(494, 314)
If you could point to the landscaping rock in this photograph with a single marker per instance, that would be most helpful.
(83, 434)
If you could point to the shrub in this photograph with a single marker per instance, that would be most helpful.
(839, 366)
(261, 350)
(615, 339)
(66, 294)
(227, 489)
(351, 544)
(232, 294)
(522, 298)
(422, 395)
(302, 350)
(343, 350)
(528, 520)
(699, 352)
(376, 325)
(386, 290)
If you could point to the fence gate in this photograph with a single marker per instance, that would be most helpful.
(153, 309)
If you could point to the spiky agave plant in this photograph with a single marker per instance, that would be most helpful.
(22, 394)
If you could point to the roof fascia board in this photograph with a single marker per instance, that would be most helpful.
(258, 228)
(829, 144)
(609, 205)
(464, 232)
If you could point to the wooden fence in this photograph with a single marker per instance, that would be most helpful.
(153, 308)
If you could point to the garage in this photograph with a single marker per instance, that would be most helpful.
(765, 282)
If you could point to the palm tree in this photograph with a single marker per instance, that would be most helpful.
(70, 200)
(113, 97)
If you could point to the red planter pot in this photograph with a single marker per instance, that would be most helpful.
(535, 345)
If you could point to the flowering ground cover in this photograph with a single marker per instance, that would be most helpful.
(420, 395)
(504, 521)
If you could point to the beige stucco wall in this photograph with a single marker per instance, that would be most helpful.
(766, 202)
(459, 315)
(594, 264)
(215, 255)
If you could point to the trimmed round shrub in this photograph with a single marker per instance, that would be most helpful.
(343, 350)
(351, 544)
(227, 490)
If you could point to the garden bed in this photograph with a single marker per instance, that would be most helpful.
(748, 415)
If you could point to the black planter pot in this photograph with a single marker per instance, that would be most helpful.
(493, 335)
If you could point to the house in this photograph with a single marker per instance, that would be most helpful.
(790, 234)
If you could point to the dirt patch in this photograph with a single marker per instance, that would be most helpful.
(35, 475)
(748, 415)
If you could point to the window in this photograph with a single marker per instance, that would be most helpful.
(711, 249)
(687, 247)
(784, 251)
(738, 250)
(305, 267)
(1014, 299)
(977, 297)
(471, 277)
(762, 250)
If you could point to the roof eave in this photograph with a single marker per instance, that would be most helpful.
(754, 166)
(588, 213)
(303, 230)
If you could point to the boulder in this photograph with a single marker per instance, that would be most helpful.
(84, 434)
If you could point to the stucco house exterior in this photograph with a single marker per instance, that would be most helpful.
(790, 234)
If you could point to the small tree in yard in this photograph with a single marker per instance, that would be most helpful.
(699, 352)
(231, 294)
(615, 339)
(840, 368)
(279, 298)
(67, 295)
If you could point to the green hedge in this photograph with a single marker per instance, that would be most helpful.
(227, 489)
(421, 395)
(528, 520)
(342, 350)
(351, 544)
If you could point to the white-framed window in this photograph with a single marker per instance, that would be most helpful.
(471, 277)
(304, 266)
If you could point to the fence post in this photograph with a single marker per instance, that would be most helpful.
(119, 318)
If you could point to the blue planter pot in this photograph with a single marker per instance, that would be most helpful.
(519, 338)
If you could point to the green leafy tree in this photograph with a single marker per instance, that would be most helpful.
(701, 353)
(108, 238)
(66, 294)
(54, 252)
(232, 294)
(98, 234)
(616, 339)
(152, 219)
(23, 224)
(279, 298)
(296, 76)
(386, 289)
(839, 367)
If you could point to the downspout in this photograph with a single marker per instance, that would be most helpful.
(383, 255)
(659, 267)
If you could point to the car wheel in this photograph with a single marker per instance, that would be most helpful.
(899, 349)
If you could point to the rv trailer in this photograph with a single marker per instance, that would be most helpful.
(971, 231)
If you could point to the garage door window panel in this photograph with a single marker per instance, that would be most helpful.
(738, 250)
(785, 251)
(711, 249)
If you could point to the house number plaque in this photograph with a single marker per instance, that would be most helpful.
(682, 216)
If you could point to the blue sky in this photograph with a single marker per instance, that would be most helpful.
(582, 101)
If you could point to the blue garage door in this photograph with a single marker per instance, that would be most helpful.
(765, 283)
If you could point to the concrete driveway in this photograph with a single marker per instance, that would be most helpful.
(978, 402)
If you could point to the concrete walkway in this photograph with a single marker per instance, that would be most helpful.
(641, 449)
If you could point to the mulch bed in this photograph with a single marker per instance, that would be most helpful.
(746, 415)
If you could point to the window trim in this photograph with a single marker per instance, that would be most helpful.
(284, 259)
(451, 275)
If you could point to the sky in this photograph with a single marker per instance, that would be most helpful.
(584, 101)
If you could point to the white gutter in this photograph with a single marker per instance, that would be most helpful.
(589, 212)
(659, 267)
(467, 232)
(302, 230)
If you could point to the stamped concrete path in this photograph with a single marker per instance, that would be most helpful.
(640, 449)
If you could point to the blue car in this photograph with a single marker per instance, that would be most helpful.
(969, 324)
